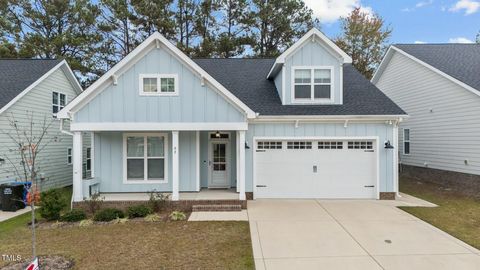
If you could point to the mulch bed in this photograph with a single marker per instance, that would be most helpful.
(45, 263)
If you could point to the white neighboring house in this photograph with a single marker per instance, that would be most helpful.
(41, 87)
(438, 85)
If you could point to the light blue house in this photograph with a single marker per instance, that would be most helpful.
(303, 125)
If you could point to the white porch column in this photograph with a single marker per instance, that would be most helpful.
(241, 164)
(395, 158)
(175, 167)
(77, 166)
(237, 165)
(197, 160)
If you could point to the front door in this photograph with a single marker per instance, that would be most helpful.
(219, 165)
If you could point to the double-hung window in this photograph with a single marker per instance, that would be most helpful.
(312, 84)
(158, 84)
(88, 159)
(406, 141)
(69, 156)
(59, 101)
(145, 158)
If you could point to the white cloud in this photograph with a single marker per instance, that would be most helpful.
(424, 3)
(460, 40)
(419, 42)
(328, 11)
(470, 6)
(420, 4)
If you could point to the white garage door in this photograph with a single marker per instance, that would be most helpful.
(315, 169)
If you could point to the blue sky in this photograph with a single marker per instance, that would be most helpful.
(430, 21)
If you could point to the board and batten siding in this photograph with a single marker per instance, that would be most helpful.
(311, 54)
(109, 163)
(382, 130)
(52, 161)
(444, 117)
(123, 103)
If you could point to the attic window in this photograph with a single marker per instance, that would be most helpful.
(158, 84)
(312, 84)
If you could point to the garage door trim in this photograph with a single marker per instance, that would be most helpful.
(376, 140)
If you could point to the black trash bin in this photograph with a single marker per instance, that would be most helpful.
(11, 195)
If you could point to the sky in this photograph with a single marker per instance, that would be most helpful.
(412, 21)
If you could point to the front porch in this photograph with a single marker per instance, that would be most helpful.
(202, 195)
(190, 165)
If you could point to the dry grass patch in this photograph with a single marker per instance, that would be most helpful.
(137, 245)
(456, 214)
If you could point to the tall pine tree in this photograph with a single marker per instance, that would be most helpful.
(278, 24)
(151, 16)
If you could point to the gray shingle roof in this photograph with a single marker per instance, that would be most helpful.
(461, 61)
(246, 79)
(17, 74)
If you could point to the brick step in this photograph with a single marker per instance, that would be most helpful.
(216, 207)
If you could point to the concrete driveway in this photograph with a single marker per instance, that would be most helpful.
(348, 234)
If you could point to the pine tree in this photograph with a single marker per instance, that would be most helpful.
(235, 34)
(185, 24)
(54, 29)
(279, 23)
(206, 28)
(364, 38)
(151, 16)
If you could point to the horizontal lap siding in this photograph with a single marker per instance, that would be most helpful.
(442, 139)
(382, 130)
(52, 161)
(195, 103)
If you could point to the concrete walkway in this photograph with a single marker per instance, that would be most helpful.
(350, 234)
(4, 215)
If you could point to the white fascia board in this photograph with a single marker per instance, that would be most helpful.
(155, 126)
(313, 32)
(383, 65)
(37, 82)
(329, 118)
(154, 38)
(72, 78)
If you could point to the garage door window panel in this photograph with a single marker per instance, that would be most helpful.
(330, 145)
(299, 145)
(365, 145)
(269, 145)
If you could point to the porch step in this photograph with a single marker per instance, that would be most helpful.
(216, 207)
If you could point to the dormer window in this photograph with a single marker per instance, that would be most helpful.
(312, 84)
(158, 84)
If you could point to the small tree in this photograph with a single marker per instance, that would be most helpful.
(365, 39)
(28, 142)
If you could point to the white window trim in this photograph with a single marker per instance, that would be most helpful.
(312, 100)
(59, 109)
(88, 158)
(69, 149)
(158, 77)
(409, 143)
(145, 153)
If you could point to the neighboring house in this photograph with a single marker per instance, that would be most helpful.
(303, 125)
(40, 88)
(438, 85)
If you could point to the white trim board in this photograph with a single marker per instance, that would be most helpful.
(155, 126)
(67, 71)
(388, 56)
(310, 35)
(373, 138)
(155, 40)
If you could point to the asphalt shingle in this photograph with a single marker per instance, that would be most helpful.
(461, 61)
(17, 74)
(247, 79)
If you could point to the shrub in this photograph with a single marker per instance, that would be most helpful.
(74, 215)
(177, 216)
(138, 211)
(85, 223)
(120, 220)
(51, 204)
(157, 201)
(94, 202)
(108, 214)
(152, 218)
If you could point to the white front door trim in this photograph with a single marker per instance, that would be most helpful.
(227, 159)
(373, 138)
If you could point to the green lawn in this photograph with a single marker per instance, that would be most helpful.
(136, 245)
(457, 214)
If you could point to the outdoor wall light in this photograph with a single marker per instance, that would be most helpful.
(388, 145)
(246, 145)
(217, 134)
(2, 161)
